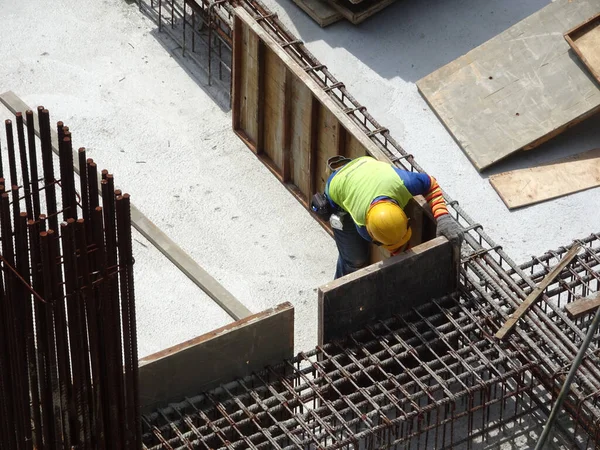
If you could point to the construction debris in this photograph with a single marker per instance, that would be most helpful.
(68, 375)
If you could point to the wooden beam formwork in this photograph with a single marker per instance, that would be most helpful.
(292, 124)
(382, 290)
(203, 363)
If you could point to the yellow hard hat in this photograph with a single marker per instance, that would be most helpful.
(387, 225)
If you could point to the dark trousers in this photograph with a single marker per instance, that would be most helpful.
(353, 249)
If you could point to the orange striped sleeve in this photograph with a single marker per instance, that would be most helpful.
(435, 198)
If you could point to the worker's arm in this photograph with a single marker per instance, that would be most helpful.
(426, 185)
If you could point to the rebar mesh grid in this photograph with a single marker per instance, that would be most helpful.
(432, 379)
(68, 345)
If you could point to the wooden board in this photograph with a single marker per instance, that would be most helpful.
(320, 11)
(293, 125)
(203, 363)
(518, 89)
(535, 293)
(152, 233)
(389, 287)
(565, 176)
(583, 306)
(585, 42)
(358, 11)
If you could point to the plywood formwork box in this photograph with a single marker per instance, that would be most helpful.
(292, 124)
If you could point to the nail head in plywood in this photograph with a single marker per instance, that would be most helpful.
(565, 176)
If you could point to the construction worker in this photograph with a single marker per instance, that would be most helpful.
(368, 199)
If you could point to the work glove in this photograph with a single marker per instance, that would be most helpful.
(451, 230)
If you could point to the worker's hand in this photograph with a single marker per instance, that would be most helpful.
(451, 230)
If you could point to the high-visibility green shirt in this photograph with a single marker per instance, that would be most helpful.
(358, 183)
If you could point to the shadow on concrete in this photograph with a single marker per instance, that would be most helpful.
(199, 74)
(410, 39)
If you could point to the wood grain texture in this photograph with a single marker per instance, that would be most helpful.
(583, 306)
(249, 98)
(565, 176)
(203, 363)
(585, 42)
(535, 293)
(274, 108)
(518, 89)
(153, 234)
(381, 290)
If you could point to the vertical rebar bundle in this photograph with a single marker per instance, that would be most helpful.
(68, 343)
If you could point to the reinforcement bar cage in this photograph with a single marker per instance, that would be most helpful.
(432, 379)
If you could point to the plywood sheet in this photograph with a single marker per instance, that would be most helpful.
(518, 89)
(274, 92)
(585, 41)
(203, 363)
(381, 290)
(536, 184)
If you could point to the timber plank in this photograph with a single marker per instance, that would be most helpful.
(583, 306)
(300, 142)
(203, 363)
(536, 292)
(393, 286)
(565, 176)
(320, 11)
(518, 89)
(585, 41)
(151, 232)
(274, 115)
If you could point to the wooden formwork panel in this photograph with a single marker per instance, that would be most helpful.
(381, 290)
(203, 363)
(288, 120)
